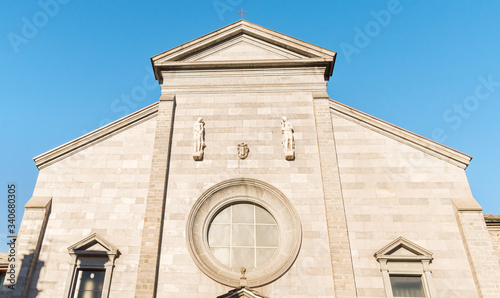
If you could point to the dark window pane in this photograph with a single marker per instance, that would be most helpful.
(407, 286)
(89, 283)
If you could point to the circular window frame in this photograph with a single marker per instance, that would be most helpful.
(250, 191)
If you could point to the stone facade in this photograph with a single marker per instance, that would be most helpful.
(493, 225)
(355, 185)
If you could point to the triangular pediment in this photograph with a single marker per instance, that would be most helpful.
(93, 244)
(243, 45)
(242, 293)
(403, 249)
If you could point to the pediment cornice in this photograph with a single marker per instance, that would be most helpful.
(403, 249)
(308, 54)
(62, 151)
(402, 135)
(85, 246)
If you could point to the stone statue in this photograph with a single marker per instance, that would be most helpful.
(198, 138)
(287, 140)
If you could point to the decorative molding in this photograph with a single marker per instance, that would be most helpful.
(242, 190)
(429, 146)
(79, 248)
(492, 222)
(242, 292)
(253, 88)
(62, 151)
(312, 54)
(247, 40)
(84, 258)
(387, 252)
(392, 262)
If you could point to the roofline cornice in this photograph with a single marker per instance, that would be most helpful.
(429, 146)
(60, 152)
(237, 28)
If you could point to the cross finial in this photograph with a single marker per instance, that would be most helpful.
(242, 12)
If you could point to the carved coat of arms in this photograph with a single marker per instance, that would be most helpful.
(243, 150)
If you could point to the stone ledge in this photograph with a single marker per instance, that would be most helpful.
(492, 221)
(38, 202)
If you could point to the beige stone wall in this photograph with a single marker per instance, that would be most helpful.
(249, 113)
(390, 190)
(495, 237)
(481, 253)
(100, 189)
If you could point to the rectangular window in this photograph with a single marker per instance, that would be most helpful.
(407, 286)
(2, 279)
(89, 283)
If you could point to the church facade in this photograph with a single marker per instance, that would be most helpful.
(246, 180)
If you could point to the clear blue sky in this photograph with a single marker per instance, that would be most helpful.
(432, 67)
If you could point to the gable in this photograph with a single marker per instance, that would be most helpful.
(403, 249)
(98, 135)
(241, 292)
(93, 244)
(96, 246)
(243, 45)
(401, 135)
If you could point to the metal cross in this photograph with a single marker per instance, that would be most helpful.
(242, 12)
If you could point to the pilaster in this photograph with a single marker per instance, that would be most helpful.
(27, 246)
(155, 205)
(340, 252)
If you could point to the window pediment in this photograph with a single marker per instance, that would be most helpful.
(405, 268)
(93, 245)
(403, 249)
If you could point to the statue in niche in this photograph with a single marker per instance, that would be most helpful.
(198, 138)
(243, 150)
(287, 140)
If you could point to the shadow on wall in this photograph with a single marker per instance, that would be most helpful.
(11, 288)
(32, 286)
